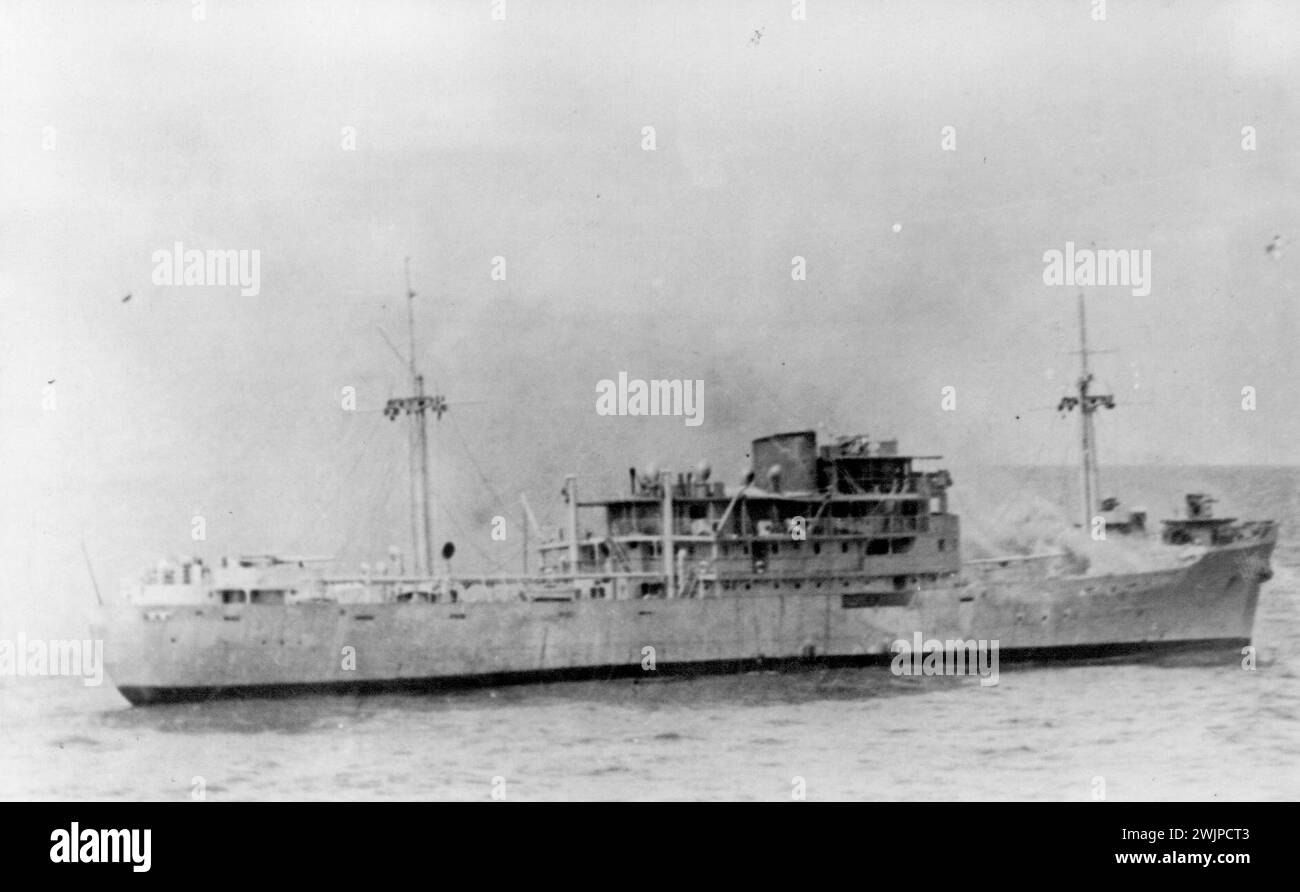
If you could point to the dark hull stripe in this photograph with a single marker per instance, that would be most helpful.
(1084, 653)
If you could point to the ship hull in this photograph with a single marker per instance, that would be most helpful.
(162, 654)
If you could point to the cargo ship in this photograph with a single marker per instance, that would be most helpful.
(822, 554)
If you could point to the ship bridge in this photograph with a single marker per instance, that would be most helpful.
(805, 516)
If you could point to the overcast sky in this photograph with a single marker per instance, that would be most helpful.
(126, 127)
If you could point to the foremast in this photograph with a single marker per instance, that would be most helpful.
(418, 407)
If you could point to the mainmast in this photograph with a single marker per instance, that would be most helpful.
(1088, 404)
(416, 407)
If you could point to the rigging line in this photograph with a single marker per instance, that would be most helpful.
(1005, 504)
(412, 447)
(386, 464)
(383, 503)
(328, 506)
(382, 497)
(347, 530)
(502, 503)
(495, 563)
(1066, 472)
(443, 507)
(544, 524)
